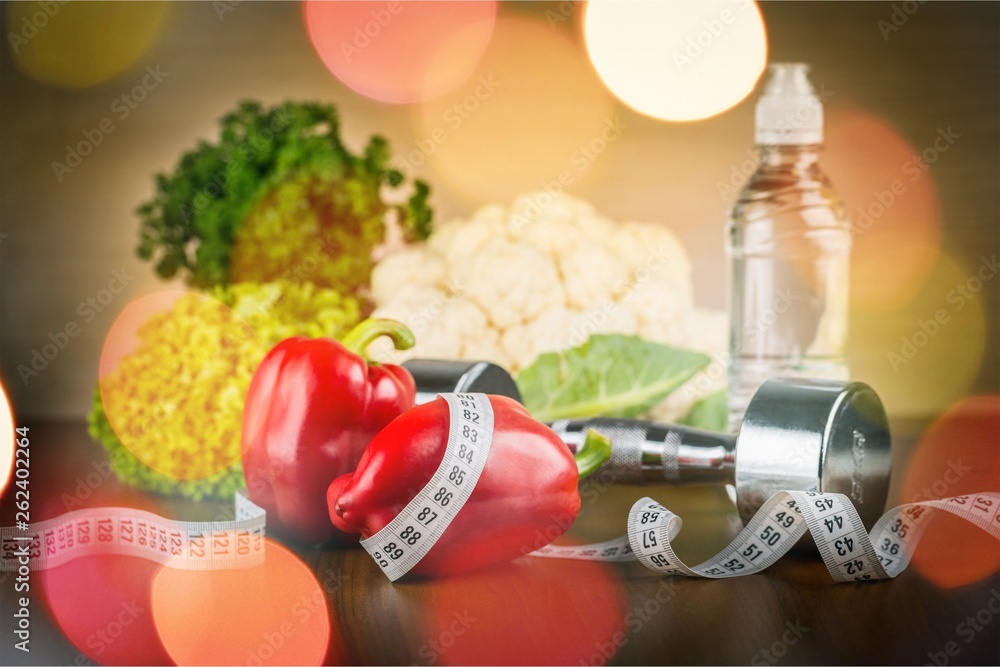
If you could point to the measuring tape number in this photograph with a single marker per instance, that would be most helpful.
(849, 552)
(185, 545)
(401, 544)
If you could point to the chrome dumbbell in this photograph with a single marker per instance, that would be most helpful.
(814, 435)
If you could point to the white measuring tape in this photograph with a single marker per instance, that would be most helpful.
(185, 545)
(405, 540)
(849, 552)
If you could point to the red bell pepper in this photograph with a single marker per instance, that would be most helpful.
(312, 408)
(526, 496)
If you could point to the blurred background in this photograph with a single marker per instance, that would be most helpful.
(484, 101)
(146, 81)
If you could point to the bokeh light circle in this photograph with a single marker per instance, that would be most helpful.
(892, 201)
(927, 353)
(959, 454)
(530, 612)
(400, 52)
(173, 374)
(272, 614)
(677, 61)
(102, 603)
(81, 44)
(528, 119)
(7, 440)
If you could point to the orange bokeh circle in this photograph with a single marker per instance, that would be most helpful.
(101, 603)
(959, 454)
(892, 200)
(272, 614)
(537, 602)
(400, 52)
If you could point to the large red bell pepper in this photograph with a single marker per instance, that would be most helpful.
(312, 408)
(526, 496)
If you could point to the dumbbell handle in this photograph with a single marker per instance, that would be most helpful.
(645, 452)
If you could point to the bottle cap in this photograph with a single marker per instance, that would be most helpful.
(789, 112)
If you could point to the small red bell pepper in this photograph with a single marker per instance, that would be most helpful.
(312, 408)
(526, 496)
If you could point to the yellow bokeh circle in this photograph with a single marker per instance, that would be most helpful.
(81, 44)
(926, 354)
(677, 61)
(533, 115)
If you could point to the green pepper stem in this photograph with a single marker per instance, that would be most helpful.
(360, 337)
(595, 451)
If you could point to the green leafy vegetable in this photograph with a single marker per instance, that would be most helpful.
(133, 472)
(710, 413)
(276, 196)
(275, 311)
(609, 375)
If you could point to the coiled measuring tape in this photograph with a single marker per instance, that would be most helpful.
(185, 545)
(405, 540)
(848, 550)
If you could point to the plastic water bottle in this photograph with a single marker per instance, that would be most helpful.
(788, 242)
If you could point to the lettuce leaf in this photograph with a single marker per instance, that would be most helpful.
(609, 375)
(710, 413)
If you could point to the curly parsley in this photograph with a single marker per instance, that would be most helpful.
(276, 184)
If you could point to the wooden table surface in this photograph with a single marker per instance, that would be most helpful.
(542, 611)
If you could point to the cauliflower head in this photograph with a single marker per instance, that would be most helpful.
(513, 282)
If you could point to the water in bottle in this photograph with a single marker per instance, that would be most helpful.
(788, 243)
